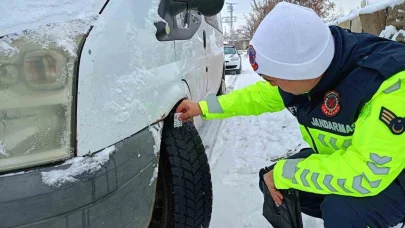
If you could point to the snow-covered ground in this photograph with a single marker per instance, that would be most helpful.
(244, 145)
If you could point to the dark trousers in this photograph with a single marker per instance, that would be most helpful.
(386, 209)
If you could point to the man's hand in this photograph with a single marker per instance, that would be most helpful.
(269, 180)
(189, 109)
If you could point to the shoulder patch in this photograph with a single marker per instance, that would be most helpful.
(252, 58)
(394, 123)
(331, 105)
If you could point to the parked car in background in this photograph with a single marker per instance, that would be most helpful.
(88, 91)
(233, 60)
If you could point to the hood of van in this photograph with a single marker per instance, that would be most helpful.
(50, 13)
(228, 57)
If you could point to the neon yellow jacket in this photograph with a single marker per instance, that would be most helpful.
(361, 164)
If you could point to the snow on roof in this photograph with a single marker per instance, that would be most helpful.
(353, 14)
(373, 7)
(379, 5)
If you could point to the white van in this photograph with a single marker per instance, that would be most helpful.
(88, 91)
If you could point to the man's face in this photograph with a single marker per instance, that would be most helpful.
(295, 87)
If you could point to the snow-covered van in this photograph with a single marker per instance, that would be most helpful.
(88, 91)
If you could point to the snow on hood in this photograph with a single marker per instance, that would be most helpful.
(78, 166)
(229, 56)
(47, 21)
(19, 15)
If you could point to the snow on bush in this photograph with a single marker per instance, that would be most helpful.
(390, 32)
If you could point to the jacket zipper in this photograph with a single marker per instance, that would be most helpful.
(305, 124)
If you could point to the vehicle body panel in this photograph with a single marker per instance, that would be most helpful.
(127, 78)
(215, 54)
(119, 194)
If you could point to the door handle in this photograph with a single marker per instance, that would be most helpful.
(204, 39)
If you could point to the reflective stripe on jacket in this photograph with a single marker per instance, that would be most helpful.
(361, 149)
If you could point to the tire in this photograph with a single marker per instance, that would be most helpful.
(222, 87)
(184, 180)
(240, 68)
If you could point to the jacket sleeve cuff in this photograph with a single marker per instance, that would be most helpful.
(279, 181)
(204, 109)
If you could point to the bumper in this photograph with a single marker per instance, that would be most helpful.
(232, 65)
(117, 195)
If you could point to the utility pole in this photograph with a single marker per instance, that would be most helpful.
(230, 9)
(230, 20)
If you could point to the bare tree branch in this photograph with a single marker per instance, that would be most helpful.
(260, 8)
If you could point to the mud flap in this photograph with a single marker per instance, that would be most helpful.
(287, 215)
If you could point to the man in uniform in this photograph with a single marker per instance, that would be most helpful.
(347, 91)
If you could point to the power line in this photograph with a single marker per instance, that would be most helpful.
(230, 9)
(231, 19)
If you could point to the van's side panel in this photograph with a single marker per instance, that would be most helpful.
(127, 78)
(215, 52)
(191, 60)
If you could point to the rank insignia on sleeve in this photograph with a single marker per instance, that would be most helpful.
(394, 123)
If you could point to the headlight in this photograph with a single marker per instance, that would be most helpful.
(35, 106)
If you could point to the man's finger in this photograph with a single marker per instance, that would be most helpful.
(181, 108)
(279, 194)
(184, 116)
(276, 199)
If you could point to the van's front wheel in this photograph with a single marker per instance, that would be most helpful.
(222, 87)
(184, 188)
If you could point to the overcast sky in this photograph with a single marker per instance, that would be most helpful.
(243, 7)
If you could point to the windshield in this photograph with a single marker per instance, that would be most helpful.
(229, 50)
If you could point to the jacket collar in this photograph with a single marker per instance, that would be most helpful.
(342, 63)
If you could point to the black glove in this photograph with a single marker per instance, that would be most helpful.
(287, 215)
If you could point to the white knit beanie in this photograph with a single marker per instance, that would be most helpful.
(292, 42)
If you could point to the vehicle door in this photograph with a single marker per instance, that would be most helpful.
(190, 47)
(214, 52)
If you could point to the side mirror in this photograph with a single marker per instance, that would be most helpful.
(206, 7)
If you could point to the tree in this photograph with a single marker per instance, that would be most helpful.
(364, 3)
(334, 15)
(260, 8)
